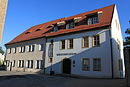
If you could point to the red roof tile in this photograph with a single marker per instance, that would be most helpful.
(104, 20)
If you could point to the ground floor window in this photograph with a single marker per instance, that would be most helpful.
(21, 63)
(39, 64)
(7, 63)
(85, 64)
(96, 64)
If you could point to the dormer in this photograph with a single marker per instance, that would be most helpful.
(92, 19)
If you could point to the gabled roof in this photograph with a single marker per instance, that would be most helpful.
(42, 30)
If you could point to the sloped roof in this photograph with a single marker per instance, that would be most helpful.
(32, 33)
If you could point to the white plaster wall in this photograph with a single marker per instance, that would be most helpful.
(103, 52)
(2, 57)
(117, 54)
(36, 55)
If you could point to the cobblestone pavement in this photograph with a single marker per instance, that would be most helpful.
(24, 79)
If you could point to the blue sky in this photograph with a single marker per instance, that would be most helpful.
(22, 14)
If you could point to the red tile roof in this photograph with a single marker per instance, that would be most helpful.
(104, 20)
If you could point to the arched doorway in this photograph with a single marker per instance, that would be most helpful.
(66, 66)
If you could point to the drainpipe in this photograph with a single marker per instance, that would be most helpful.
(112, 69)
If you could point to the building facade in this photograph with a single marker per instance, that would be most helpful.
(3, 7)
(88, 44)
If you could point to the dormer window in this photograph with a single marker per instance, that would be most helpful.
(92, 19)
(27, 32)
(55, 28)
(70, 25)
(38, 29)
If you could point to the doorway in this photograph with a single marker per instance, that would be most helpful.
(66, 66)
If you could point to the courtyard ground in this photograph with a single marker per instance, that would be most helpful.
(24, 79)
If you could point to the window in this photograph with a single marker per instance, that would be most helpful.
(62, 44)
(7, 63)
(70, 25)
(28, 63)
(85, 64)
(96, 40)
(30, 48)
(85, 41)
(9, 50)
(38, 29)
(14, 50)
(41, 47)
(13, 63)
(55, 28)
(31, 63)
(96, 64)
(22, 49)
(120, 65)
(92, 19)
(70, 43)
(39, 64)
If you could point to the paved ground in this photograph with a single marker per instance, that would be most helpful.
(23, 79)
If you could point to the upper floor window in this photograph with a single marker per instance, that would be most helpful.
(96, 40)
(70, 25)
(14, 50)
(62, 44)
(85, 64)
(30, 48)
(70, 43)
(119, 44)
(41, 47)
(9, 50)
(22, 49)
(96, 64)
(55, 28)
(85, 41)
(92, 19)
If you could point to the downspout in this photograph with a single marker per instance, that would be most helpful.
(45, 55)
(112, 69)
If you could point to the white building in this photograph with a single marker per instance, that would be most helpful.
(88, 44)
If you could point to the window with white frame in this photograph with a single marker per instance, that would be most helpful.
(39, 64)
(70, 43)
(13, 63)
(7, 63)
(30, 48)
(14, 50)
(96, 40)
(31, 63)
(96, 64)
(85, 41)
(41, 47)
(85, 64)
(62, 44)
(92, 19)
(22, 49)
(9, 50)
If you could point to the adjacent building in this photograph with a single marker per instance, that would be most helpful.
(3, 7)
(88, 44)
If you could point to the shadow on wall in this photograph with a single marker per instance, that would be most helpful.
(103, 52)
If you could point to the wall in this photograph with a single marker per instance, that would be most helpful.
(36, 55)
(116, 35)
(103, 52)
